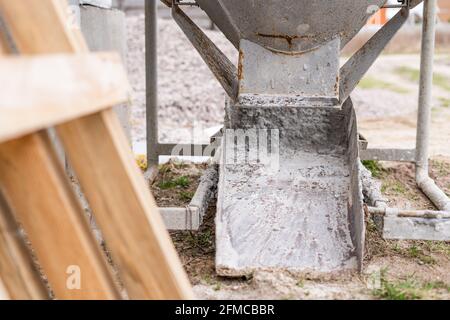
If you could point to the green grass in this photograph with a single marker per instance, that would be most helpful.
(397, 290)
(408, 73)
(199, 239)
(374, 167)
(438, 247)
(422, 251)
(182, 182)
(186, 195)
(164, 168)
(398, 187)
(443, 168)
(436, 285)
(413, 75)
(441, 81)
(417, 253)
(374, 83)
(403, 290)
(166, 184)
(408, 289)
(212, 282)
(301, 283)
(168, 167)
(394, 187)
(445, 102)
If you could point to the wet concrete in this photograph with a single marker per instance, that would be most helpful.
(297, 214)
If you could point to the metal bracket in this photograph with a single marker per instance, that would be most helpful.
(222, 68)
(401, 4)
(356, 67)
(185, 3)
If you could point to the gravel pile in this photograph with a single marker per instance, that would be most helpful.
(380, 103)
(189, 95)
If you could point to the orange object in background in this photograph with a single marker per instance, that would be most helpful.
(444, 10)
(379, 18)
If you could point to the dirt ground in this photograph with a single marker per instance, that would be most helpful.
(392, 269)
(176, 183)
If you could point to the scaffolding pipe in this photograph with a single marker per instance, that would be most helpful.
(425, 183)
(151, 79)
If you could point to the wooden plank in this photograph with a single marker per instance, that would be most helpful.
(41, 91)
(39, 194)
(20, 279)
(64, 36)
(124, 208)
(98, 150)
(3, 47)
(4, 295)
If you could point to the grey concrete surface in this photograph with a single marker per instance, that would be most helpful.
(402, 228)
(107, 4)
(311, 75)
(305, 215)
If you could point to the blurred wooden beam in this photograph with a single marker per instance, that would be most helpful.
(98, 151)
(41, 91)
(20, 278)
(39, 194)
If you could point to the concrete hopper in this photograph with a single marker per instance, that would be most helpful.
(289, 194)
(290, 25)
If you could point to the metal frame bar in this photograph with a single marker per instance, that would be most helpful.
(357, 66)
(151, 79)
(225, 72)
(407, 155)
(403, 224)
(222, 68)
(190, 217)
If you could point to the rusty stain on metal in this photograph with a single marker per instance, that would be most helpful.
(315, 22)
(288, 38)
(240, 65)
(336, 85)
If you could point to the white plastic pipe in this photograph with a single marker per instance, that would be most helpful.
(436, 195)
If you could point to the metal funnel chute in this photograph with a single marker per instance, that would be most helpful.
(290, 25)
(289, 49)
(289, 194)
